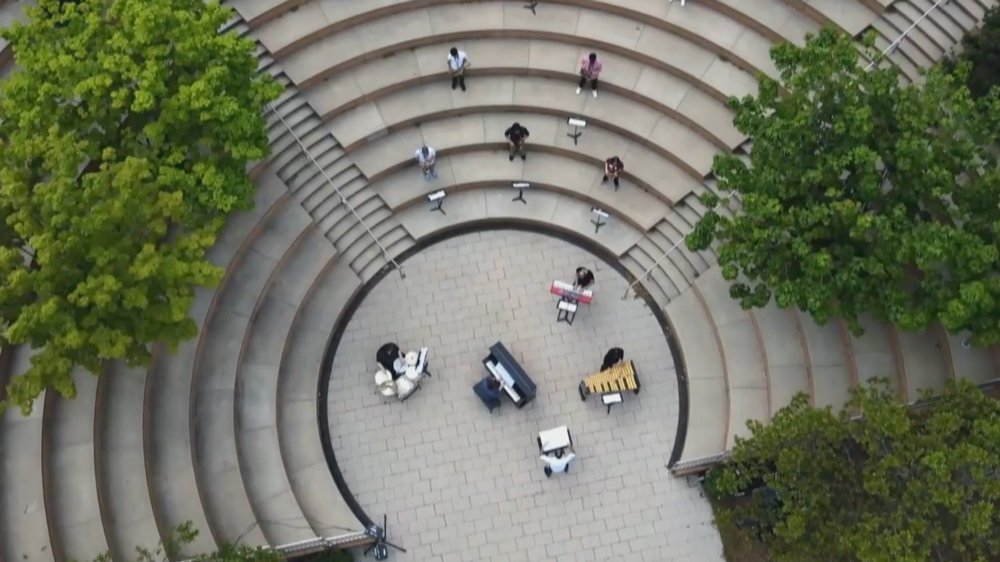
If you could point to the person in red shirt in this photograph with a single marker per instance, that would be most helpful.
(613, 167)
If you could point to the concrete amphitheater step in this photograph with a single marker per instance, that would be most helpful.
(788, 372)
(644, 84)
(455, 135)
(226, 500)
(771, 18)
(827, 358)
(708, 393)
(69, 458)
(850, 15)
(24, 525)
(300, 38)
(546, 172)
(745, 364)
(564, 212)
(304, 345)
(683, 146)
(925, 359)
(871, 355)
(123, 488)
(170, 467)
(256, 394)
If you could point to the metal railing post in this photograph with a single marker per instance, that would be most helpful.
(335, 189)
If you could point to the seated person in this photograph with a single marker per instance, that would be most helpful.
(614, 356)
(390, 358)
(584, 279)
(492, 390)
(557, 462)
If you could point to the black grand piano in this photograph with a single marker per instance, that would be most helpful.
(517, 384)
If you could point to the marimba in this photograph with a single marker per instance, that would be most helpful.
(618, 378)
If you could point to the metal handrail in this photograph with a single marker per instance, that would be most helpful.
(339, 194)
(659, 261)
(895, 44)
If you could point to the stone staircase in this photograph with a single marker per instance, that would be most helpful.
(320, 176)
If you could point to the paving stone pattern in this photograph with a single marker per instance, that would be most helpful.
(460, 484)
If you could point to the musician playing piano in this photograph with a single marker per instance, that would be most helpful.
(584, 279)
(493, 388)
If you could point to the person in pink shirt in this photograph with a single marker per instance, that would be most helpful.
(590, 69)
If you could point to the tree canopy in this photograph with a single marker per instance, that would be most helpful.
(863, 195)
(897, 486)
(126, 133)
(981, 49)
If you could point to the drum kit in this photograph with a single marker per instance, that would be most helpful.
(404, 385)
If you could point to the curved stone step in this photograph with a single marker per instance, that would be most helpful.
(124, 490)
(926, 361)
(871, 354)
(683, 146)
(708, 393)
(70, 472)
(976, 364)
(826, 356)
(298, 41)
(301, 450)
(170, 468)
(772, 18)
(24, 525)
(743, 353)
(217, 470)
(550, 135)
(489, 204)
(256, 399)
(644, 84)
(545, 172)
(787, 370)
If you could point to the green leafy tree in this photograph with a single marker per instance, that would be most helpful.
(862, 194)
(900, 485)
(981, 49)
(126, 132)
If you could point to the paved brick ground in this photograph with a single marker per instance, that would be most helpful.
(460, 484)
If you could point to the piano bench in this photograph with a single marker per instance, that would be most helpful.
(480, 390)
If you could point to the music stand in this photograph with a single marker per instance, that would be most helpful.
(600, 213)
(437, 197)
(520, 186)
(577, 125)
(381, 545)
(531, 5)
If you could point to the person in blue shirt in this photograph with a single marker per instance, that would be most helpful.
(492, 391)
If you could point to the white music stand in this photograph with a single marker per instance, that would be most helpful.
(555, 439)
(600, 213)
(577, 125)
(520, 186)
(437, 197)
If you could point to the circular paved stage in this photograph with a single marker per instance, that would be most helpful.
(460, 484)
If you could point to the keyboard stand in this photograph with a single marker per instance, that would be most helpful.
(566, 310)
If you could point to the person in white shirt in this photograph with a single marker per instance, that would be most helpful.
(427, 158)
(457, 63)
(557, 462)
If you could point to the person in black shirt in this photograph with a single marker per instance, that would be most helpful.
(387, 355)
(614, 356)
(584, 278)
(516, 135)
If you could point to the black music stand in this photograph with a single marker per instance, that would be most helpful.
(381, 545)
(577, 123)
(566, 310)
(531, 5)
(438, 199)
(600, 213)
